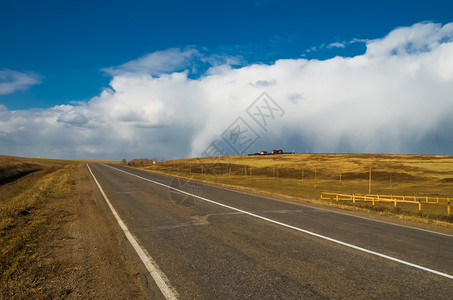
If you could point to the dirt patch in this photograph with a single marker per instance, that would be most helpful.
(82, 254)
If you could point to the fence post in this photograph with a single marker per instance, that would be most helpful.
(276, 178)
(315, 178)
(353, 198)
(337, 198)
(419, 205)
(426, 198)
(448, 207)
(395, 203)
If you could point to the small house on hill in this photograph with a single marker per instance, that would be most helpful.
(136, 162)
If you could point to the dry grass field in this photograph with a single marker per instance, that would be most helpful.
(26, 185)
(305, 176)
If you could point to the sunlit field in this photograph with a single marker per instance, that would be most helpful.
(305, 176)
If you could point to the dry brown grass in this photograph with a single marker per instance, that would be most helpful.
(52, 161)
(304, 176)
(12, 169)
(23, 222)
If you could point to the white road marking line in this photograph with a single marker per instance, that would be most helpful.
(296, 228)
(159, 277)
(384, 222)
(319, 208)
(331, 211)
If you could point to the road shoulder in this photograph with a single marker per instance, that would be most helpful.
(86, 256)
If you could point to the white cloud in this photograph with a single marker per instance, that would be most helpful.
(311, 49)
(396, 97)
(11, 81)
(421, 37)
(336, 45)
(156, 63)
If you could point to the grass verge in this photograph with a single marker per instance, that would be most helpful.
(25, 221)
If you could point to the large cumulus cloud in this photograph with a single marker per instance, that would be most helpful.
(395, 98)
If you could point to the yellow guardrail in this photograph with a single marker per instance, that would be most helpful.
(373, 198)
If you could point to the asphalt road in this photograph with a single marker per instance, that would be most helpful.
(246, 246)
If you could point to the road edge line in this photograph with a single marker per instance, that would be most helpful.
(159, 277)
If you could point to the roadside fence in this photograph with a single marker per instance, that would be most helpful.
(422, 201)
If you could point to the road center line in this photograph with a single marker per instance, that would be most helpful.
(159, 277)
(294, 227)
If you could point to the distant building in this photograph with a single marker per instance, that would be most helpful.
(264, 152)
(137, 162)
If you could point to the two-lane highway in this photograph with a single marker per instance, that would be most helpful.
(227, 244)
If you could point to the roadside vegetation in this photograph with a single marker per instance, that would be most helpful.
(30, 189)
(305, 176)
(27, 187)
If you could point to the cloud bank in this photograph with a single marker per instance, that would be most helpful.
(395, 98)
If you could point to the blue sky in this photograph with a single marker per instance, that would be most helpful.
(114, 79)
(67, 43)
